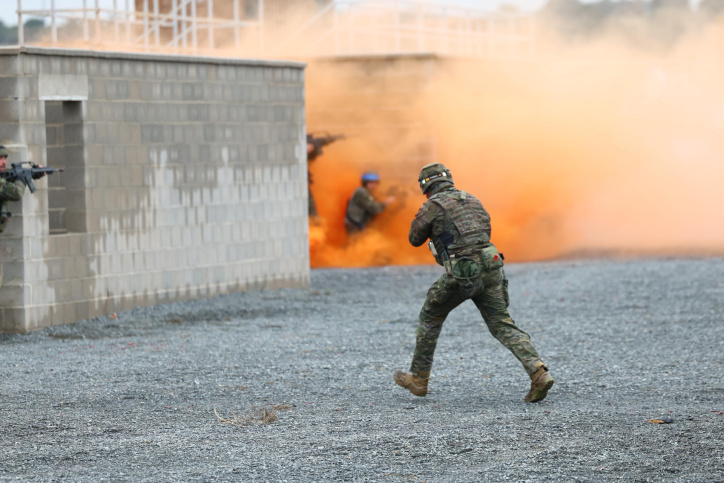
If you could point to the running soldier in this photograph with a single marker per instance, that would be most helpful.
(458, 228)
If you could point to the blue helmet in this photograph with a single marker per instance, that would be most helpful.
(368, 176)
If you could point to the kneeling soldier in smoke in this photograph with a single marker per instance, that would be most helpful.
(459, 231)
(362, 206)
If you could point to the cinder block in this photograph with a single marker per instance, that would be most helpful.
(11, 87)
(116, 67)
(58, 246)
(33, 133)
(10, 64)
(88, 290)
(59, 292)
(14, 295)
(39, 317)
(13, 272)
(55, 269)
(13, 320)
(54, 112)
(11, 133)
(76, 221)
(92, 220)
(73, 134)
(80, 267)
(11, 109)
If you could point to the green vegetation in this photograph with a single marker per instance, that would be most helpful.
(654, 24)
(34, 29)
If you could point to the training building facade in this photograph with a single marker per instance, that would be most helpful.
(184, 177)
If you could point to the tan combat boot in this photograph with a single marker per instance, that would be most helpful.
(417, 385)
(540, 383)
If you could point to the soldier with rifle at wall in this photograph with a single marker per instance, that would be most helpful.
(314, 150)
(13, 182)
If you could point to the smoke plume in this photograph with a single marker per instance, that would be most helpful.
(592, 149)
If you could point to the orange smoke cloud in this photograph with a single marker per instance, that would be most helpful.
(589, 150)
(336, 175)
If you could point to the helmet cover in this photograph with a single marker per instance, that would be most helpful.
(433, 173)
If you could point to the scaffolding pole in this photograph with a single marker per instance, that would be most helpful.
(21, 28)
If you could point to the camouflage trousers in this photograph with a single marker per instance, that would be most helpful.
(489, 292)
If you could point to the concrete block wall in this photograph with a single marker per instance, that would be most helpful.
(184, 177)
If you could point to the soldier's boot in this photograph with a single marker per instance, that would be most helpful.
(416, 384)
(540, 384)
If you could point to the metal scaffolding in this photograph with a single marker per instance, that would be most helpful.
(353, 27)
(339, 27)
(184, 26)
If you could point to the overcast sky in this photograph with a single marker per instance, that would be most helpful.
(9, 16)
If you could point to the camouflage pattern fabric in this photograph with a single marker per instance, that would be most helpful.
(462, 217)
(489, 294)
(11, 191)
(455, 212)
(362, 207)
(311, 204)
(8, 192)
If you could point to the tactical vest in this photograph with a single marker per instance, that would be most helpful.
(466, 226)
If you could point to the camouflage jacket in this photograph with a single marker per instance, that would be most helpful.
(361, 208)
(8, 192)
(452, 219)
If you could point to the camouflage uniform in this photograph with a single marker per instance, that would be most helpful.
(458, 226)
(9, 191)
(459, 213)
(311, 204)
(314, 150)
(362, 207)
(311, 156)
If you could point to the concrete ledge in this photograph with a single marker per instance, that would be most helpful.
(108, 54)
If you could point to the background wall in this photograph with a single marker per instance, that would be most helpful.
(184, 177)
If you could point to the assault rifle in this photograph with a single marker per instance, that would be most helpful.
(319, 143)
(27, 175)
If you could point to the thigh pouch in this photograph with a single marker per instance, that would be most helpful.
(490, 258)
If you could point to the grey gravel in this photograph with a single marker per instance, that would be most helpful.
(133, 398)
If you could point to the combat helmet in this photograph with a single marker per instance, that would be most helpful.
(369, 176)
(434, 173)
(3, 151)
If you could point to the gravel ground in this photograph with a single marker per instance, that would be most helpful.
(133, 398)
